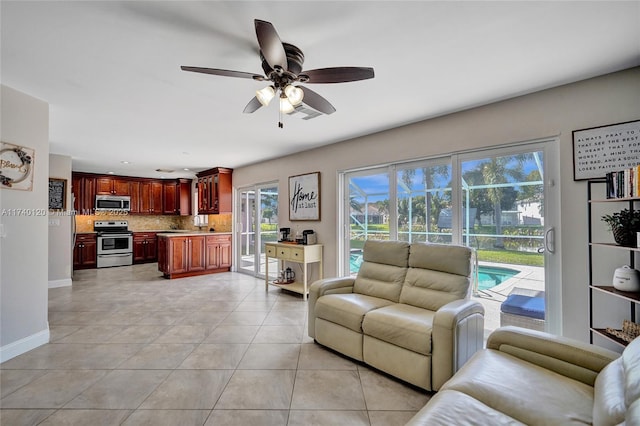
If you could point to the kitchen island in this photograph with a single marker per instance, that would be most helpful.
(184, 254)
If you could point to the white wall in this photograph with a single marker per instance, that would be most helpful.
(24, 121)
(60, 250)
(600, 101)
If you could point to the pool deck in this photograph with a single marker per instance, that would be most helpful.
(529, 277)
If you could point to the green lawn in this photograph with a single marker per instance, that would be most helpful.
(511, 257)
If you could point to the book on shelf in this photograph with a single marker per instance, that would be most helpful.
(623, 183)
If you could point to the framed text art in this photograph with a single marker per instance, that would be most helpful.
(16, 167)
(600, 150)
(304, 197)
(57, 194)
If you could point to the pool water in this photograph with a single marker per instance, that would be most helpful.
(491, 276)
(488, 276)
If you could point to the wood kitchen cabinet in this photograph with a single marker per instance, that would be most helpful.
(215, 191)
(85, 251)
(145, 247)
(148, 196)
(108, 185)
(83, 188)
(182, 255)
(218, 255)
(177, 197)
(151, 197)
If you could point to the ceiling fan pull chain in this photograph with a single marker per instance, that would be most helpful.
(280, 125)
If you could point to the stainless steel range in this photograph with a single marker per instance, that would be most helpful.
(115, 243)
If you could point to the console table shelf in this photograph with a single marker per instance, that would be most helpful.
(297, 253)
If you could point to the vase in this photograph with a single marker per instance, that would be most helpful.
(624, 236)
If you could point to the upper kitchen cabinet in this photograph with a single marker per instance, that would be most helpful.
(150, 197)
(215, 191)
(83, 188)
(112, 186)
(177, 197)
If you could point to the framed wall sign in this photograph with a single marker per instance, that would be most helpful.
(57, 194)
(600, 150)
(304, 197)
(16, 167)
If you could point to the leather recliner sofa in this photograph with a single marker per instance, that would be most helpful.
(535, 378)
(407, 312)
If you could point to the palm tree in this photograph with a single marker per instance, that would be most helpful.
(498, 170)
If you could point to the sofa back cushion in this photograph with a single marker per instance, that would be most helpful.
(383, 269)
(438, 274)
(631, 364)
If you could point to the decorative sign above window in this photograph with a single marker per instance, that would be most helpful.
(16, 167)
(600, 150)
(304, 197)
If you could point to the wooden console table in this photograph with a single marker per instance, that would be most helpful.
(293, 253)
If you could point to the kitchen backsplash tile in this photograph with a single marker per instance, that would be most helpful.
(220, 222)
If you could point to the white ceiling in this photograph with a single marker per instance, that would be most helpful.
(110, 71)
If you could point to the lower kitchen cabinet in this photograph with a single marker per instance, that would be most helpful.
(182, 255)
(218, 254)
(85, 251)
(145, 247)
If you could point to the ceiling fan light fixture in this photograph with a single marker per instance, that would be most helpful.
(294, 94)
(285, 105)
(265, 95)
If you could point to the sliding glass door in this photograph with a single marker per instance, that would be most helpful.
(495, 201)
(257, 219)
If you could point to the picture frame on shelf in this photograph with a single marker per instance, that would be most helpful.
(304, 197)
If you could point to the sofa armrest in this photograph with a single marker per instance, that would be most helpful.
(320, 288)
(569, 357)
(458, 333)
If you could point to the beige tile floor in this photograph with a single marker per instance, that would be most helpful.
(129, 347)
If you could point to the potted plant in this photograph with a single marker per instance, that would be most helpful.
(624, 225)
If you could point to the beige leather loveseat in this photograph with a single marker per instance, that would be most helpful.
(407, 312)
(534, 378)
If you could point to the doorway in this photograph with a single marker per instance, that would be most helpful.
(257, 219)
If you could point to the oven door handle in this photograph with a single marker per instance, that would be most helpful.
(115, 255)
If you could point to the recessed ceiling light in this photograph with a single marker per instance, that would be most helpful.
(109, 173)
(125, 162)
(186, 169)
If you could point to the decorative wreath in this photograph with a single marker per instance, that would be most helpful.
(26, 162)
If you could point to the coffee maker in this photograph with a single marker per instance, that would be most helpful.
(308, 237)
(284, 234)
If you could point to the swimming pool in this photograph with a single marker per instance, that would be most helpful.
(488, 276)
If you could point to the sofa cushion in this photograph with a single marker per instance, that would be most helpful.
(449, 407)
(402, 325)
(383, 269)
(347, 310)
(608, 399)
(529, 393)
(631, 364)
(437, 274)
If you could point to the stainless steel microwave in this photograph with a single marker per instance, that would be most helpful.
(113, 203)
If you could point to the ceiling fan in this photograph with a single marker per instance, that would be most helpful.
(282, 65)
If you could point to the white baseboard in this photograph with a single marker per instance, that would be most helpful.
(66, 282)
(24, 345)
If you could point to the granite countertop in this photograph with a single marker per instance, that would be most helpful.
(182, 233)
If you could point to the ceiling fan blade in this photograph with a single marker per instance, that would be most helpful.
(270, 44)
(252, 106)
(224, 73)
(316, 101)
(338, 74)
